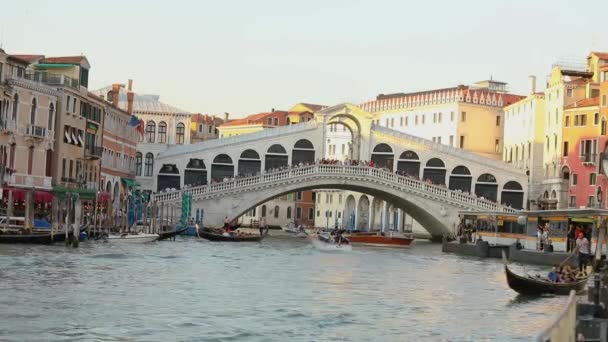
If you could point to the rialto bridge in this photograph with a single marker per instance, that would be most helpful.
(429, 181)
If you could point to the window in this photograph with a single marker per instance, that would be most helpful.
(67, 104)
(276, 121)
(318, 213)
(151, 131)
(71, 168)
(567, 121)
(263, 211)
(462, 141)
(574, 179)
(179, 133)
(138, 162)
(401, 121)
(311, 213)
(276, 211)
(326, 198)
(299, 196)
(340, 199)
(149, 164)
(596, 119)
(497, 120)
(74, 105)
(298, 213)
(406, 121)
(592, 178)
(569, 92)
(496, 145)
(591, 202)
(63, 168)
(210, 129)
(603, 127)
(434, 117)
(451, 140)
(439, 140)
(33, 112)
(452, 116)
(269, 121)
(162, 132)
(386, 122)
(423, 118)
(604, 101)
(288, 212)
(51, 123)
(392, 122)
(565, 151)
(15, 106)
(416, 120)
(572, 203)
(439, 117)
(463, 117)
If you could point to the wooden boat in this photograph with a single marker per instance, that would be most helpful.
(172, 233)
(528, 285)
(379, 240)
(133, 238)
(35, 238)
(218, 235)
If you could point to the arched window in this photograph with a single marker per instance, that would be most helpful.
(15, 107)
(151, 131)
(276, 211)
(264, 211)
(383, 148)
(33, 112)
(138, 161)
(162, 132)
(179, 133)
(149, 164)
(51, 124)
(288, 212)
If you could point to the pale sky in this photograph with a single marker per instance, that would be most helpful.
(246, 57)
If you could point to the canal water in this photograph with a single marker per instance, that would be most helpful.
(282, 289)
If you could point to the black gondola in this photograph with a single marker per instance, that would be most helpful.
(212, 235)
(172, 233)
(34, 238)
(528, 285)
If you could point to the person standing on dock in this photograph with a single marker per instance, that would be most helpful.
(582, 243)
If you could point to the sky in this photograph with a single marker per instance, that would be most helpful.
(245, 57)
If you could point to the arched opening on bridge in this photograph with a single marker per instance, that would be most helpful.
(168, 177)
(222, 167)
(383, 156)
(276, 157)
(249, 163)
(195, 173)
(486, 187)
(513, 195)
(303, 152)
(461, 179)
(350, 213)
(339, 140)
(434, 171)
(363, 213)
(409, 164)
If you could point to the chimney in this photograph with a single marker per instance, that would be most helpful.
(272, 110)
(130, 97)
(115, 94)
(130, 88)
(226, 117)
(532, 80)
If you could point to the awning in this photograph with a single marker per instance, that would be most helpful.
(38, 196)
(83, 194)
(103, 196)
(582, 219)
(49, 65)
(131, 183)
(81, 140)
(67, 137)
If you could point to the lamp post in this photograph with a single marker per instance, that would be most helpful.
(327, 219)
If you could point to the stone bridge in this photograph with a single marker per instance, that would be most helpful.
(197, 168)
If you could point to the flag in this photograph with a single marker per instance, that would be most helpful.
(140, 127)
(134, 121)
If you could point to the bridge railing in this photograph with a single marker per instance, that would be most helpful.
(298, 172)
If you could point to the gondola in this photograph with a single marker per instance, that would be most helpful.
(209, 234)
(528, 285)
(34, 238)
(172, 233)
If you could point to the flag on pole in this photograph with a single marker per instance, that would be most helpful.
(134, 121)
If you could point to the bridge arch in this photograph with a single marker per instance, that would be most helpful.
(363, 213)
(382, 156)
(276, 157)
(195, 172)
(250, 163)
(409, 164)
(434, 171)
(168, 177)
(487, 187)
(303, 152)
(461, 179)
(222, 167)
(512, 195)
(350, 211)
(353, 124)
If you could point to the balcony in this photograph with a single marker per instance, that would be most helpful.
(7, 126)
(29, 181)
(93, 152)
(589, 158)
(52, 79)
(37, 132)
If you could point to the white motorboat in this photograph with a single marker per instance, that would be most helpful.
(325, 242)
(290, 228)
(133, 238)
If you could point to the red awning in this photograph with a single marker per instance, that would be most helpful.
(103, 196)
(40, 196)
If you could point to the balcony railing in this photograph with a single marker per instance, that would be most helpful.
(29, 181)
(93, 152)
(8, 125)
(52, 79)
(36, 131)
(589, 158)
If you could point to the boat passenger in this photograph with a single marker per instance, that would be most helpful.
(553, 275)
(226, 222)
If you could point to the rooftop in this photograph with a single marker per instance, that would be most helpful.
(254, 119)
(143, 103)
(591, 102)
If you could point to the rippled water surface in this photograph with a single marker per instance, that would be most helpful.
(282, 289)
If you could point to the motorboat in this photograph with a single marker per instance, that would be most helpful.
(229, 236)
(327, 242)
(133, 238)
(379, 239)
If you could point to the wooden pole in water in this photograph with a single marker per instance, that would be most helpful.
(162, 212)
(171, 224)
(9, 208)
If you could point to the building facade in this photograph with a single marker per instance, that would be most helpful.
(205, 127)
